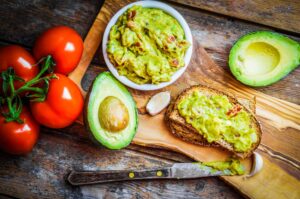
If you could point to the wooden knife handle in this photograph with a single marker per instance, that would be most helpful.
(93, 177)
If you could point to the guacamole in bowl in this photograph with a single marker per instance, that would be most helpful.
(147, 47)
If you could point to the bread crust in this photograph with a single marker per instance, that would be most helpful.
(180, 128)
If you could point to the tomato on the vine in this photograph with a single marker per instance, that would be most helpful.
(63, 104)
(20, 60)
(16, 138)
(64, 45)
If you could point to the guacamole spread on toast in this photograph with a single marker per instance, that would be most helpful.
(147, 45)
(215, 118)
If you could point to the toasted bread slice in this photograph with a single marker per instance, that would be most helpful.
(187, 132)
(184, 132)
(192, 135)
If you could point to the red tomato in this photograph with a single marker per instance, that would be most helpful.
(65, 46)
(21, 60)
(18, 138)
(63, 104)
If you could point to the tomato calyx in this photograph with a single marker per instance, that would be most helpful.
(12, 97)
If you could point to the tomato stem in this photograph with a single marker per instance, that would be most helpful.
(12, 96)
(11, 84)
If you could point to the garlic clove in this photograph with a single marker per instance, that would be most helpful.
(158, 102)
(256, 165)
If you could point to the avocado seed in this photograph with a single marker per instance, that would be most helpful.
(113, 114)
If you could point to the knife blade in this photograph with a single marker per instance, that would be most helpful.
(176, 171)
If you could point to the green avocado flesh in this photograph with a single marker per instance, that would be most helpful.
(232, 165)
(263, 58)
(215, 118)
(111, 113)
(147, 45)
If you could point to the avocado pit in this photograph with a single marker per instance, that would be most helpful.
(113, 114)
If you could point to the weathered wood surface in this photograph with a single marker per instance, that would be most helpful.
(22, 21)
(216, 33)
(281, 14)
(41, 173)
(279, 119)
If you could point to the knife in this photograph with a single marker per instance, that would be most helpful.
(177, 171)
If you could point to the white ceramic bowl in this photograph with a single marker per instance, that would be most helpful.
(171, 11)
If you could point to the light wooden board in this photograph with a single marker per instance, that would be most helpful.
(280, 122)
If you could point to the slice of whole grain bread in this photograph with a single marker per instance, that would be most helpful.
(184, 132)
(180, 128)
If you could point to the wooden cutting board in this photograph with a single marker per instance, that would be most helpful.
(280, 121)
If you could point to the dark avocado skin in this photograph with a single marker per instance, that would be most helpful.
(85, 115)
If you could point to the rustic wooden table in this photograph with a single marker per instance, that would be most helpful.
(41, 174)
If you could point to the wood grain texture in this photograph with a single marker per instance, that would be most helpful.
(41, 174)
(93, 38)
(280, 121)
(217, 34)
(214, 32)
(22, 21)
(280, 14)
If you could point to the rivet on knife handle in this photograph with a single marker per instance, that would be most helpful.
(94, 177)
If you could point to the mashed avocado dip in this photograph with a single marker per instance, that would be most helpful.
(216, 118)
(232, 165)
(147, 45)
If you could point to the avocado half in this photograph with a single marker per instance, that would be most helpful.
(110, 112)
(263, 58)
